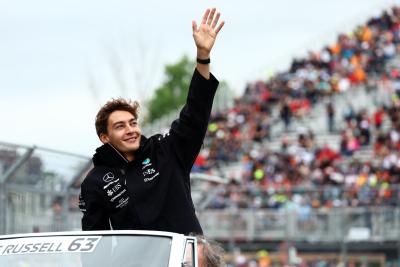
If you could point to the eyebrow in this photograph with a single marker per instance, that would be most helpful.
(122, 122)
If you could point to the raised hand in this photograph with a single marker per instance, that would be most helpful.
(205, 35)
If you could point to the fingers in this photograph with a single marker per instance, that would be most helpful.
(208, 18)
(194, 26)
(220, 26)
(205, 16)
(211, 17)
(216, 20)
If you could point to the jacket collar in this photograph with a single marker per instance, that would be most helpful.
(108, 155)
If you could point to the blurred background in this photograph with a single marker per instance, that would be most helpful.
(301, 162)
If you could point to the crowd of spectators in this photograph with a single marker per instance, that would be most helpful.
(260, 261)
(303, 172)
(271, 179)
(286, 254)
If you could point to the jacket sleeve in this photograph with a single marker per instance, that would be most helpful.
(189, 130)
(93, 208)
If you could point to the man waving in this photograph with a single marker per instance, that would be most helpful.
(142, 183)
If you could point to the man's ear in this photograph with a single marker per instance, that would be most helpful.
(104, 138)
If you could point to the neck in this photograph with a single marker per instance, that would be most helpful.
(129, 156)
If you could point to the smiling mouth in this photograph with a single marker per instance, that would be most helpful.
(131, 140)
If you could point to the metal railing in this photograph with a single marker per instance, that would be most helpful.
(37, 187)
(336, 225)
(320, 225)
(38, 193)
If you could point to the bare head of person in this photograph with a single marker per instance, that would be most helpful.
(117, 124)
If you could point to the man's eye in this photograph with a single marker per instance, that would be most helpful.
(119, 126)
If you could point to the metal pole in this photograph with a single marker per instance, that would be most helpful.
(231, 214)
(2, 209)
(397, 219)
(64, 211)
(344, 237)
(344, 251)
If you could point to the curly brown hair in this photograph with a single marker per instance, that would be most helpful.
(111, 106)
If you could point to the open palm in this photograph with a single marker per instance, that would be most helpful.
(205, 35)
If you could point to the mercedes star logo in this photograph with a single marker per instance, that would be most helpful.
(108, 177)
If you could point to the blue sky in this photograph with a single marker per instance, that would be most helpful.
(51, 51)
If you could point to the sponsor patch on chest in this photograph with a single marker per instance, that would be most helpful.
(116, 191)
(148, 172)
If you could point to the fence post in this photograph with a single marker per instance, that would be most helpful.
(397, 225)
(2, 209)
(64, 211)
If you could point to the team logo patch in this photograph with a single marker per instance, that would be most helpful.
(148, 171)
(108, 177)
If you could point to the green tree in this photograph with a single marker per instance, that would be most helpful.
(171, 95)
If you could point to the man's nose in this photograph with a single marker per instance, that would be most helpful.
(130, 128)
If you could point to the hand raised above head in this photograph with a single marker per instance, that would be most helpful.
(205, 34)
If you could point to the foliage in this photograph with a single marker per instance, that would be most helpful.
(171, 95)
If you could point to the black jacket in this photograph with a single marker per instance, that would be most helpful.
(153, 191)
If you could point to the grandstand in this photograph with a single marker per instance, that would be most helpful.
(307, 162)
(316, 151)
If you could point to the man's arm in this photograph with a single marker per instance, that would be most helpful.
(204, 37)
(93, 209)
(189, 130)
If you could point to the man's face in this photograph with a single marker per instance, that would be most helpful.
(123, 133)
